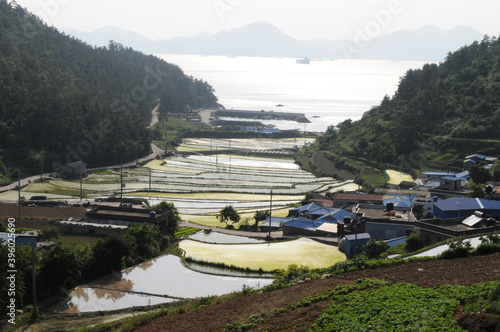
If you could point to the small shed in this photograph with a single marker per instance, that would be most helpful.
(301, 226)
(301, 210)
(19, 239)
(352, 244)
(450, 183)
(327, 229)
(74, 170)
(272, 224)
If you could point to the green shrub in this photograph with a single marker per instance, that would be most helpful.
(489, 245)
(49, 233)
(413, 242)
(292, 274)
(458, 249)
(373, 249)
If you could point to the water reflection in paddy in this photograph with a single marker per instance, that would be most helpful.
(164, 276)
(215, 237)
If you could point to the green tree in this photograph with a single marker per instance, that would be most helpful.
(495, 171)
(48, 233)
(147, 241)
(373, 248)
(260, 215)
(413, 242)
(23, 284)
(228, 214)
(477, 191)
(479, 174)
(61, 269)
(170, 225)
(113, 253)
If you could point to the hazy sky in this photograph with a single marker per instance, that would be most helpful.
(301, 19)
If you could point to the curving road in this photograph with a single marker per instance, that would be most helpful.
(156, 151)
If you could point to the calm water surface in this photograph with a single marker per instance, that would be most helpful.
(164, 276)
(328, 91)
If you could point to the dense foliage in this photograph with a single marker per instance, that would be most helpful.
(62, 100)
(439, 114)
(373, 305)
(62, 267)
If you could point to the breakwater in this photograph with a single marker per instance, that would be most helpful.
(262, 115)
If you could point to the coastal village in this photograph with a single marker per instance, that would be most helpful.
(434, 207)
(266, 183)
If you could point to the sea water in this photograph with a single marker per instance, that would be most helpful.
(327, 91)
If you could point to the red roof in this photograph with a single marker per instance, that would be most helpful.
(358, 197)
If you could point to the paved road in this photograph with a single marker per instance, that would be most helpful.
(24, 182)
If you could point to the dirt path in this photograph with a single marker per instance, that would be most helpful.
(155, 115)
(464, 271)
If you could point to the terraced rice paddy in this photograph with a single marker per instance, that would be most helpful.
(265, 256)
(199, 184)
(395, 177)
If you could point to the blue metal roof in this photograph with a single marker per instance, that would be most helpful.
(308, 207)
(336, 214)
(432, 184)
(327, 218)
(463, 175)
(451, 178)
(398, 201)
(432, 173)
(320, 211)
(396, 241)
(19, 239)
(275, 221)
(462, 203)
(303, 223)
(341, 214)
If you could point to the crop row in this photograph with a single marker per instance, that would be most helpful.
(404, 307)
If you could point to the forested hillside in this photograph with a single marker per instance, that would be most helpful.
(439, 114)
(62, 100)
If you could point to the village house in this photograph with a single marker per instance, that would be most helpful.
(89, 227)
(476, 159)
(432, 231)
(456, 207)
(104, 220)
(74, 170)
(341, 200)
(386, 221)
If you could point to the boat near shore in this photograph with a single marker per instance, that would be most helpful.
(304, 61)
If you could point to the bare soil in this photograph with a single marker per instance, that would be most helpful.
(464, 271)
(38, 217)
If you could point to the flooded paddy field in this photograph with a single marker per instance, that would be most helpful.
(157, 281)
(201, 184)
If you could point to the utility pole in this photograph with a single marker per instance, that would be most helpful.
(229, 159)
(150, 179)
(34, 314)
(19, 193)
(81, 187)
(270, 213)
(121, 184)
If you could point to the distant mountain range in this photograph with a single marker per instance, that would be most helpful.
(428, 43)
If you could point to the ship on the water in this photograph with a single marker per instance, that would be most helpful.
(304, 61)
